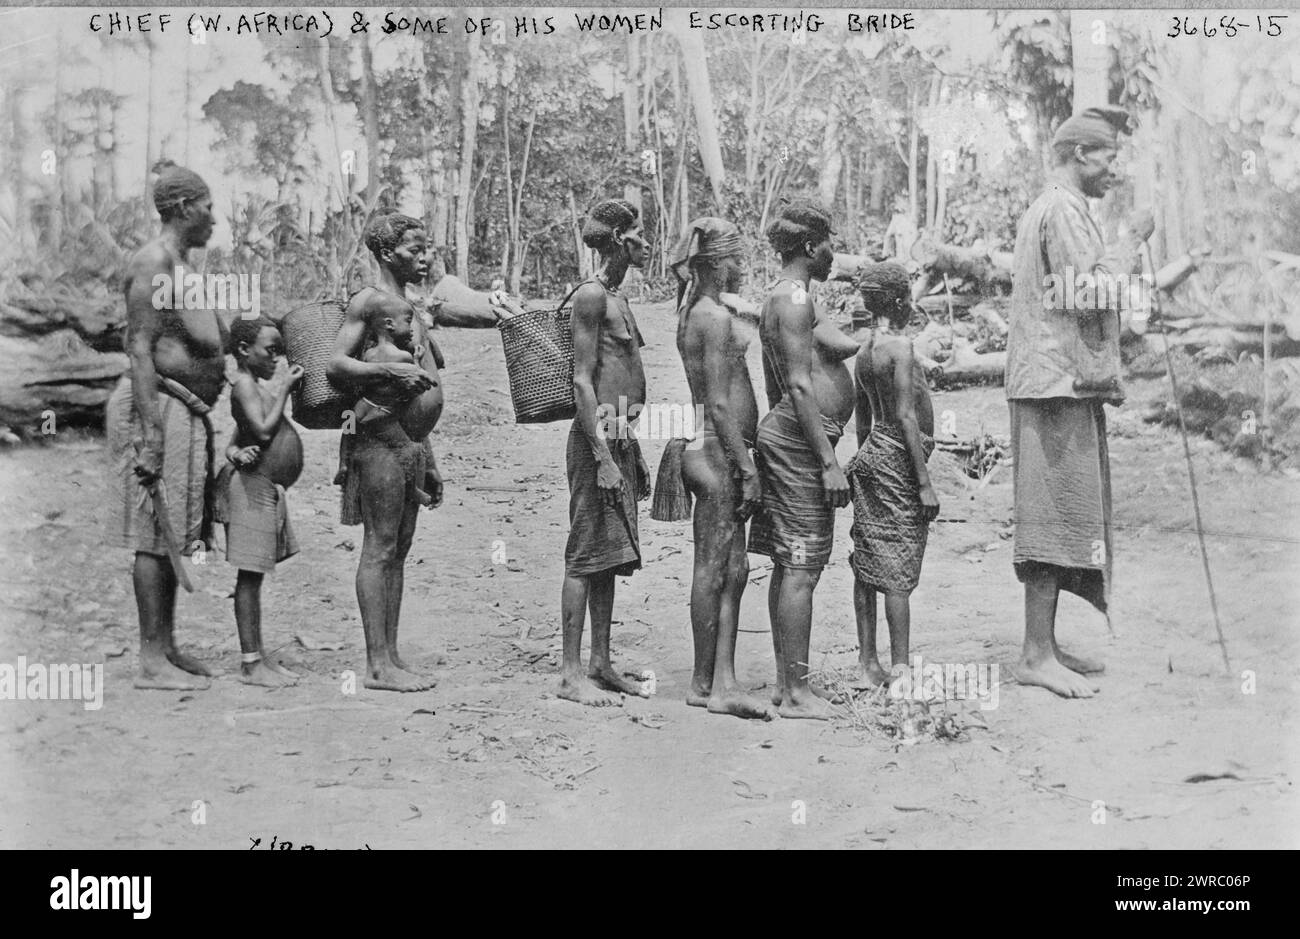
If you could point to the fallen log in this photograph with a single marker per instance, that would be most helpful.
(968, 367)
(98, 320)
(56, 372)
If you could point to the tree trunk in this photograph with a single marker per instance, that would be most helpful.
(19, 137)
(913, 159)
(148, 129)
(370, 119)
(579, 249)
(878, 187)
(681, 182)
(1194, 152)
(469, 102)
(1090, 61)
(512, 225)
(340, 247)
(932, 157)
(695, 62)
(832, 156)
(630, 94)
(61, 157)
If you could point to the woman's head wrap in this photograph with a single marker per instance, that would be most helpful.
(1093, 127)
(175, 186)
(707, 238)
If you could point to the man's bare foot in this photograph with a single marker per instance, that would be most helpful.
(611, 680)
(1080, 663)
(869, 677)
(807, 705)
(388, 677)
(735, 702)
(583, 691)
(777, 697)
(187, 663)
(1055, 677)
(262, 673)
(160, 674)
(697, 697)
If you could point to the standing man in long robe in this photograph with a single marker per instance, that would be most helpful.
(1063, 365)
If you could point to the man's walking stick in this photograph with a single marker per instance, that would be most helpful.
(1187, 452)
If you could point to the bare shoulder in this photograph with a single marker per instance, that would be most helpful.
(590, 293)
(790, 300)
(149, 260)
(710, 311)
(589, 302)
(359, 303)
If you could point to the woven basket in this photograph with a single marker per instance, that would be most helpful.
(539, 361)
(309, 333)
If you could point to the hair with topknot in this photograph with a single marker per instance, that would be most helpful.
(886, 289)
(609, 218)
(387, 231)
(798, 222)
(245, 332)
(174, 187)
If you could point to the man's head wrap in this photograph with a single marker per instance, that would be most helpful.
(175, 186)
(798, 222)
(609, 218)
(882, 285)
(1094, 127)
(707, 238)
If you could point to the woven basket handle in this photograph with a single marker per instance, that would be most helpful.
(569, 295)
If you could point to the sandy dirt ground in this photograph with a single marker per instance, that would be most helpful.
(491, 758)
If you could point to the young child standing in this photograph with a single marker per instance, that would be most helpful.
(893, 498)
(263, 459)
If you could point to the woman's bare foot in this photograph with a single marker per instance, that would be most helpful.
(1055, 677)
(157, 672)
(427, 681)
(735, 702)
(289, 676)
(583, 691)
(605, 677)
(389, 677)
(869, 677)
(806, 704)
(262, 673)
(1080, 663)
(187, 663)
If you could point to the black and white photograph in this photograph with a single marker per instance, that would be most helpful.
(583, 427)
